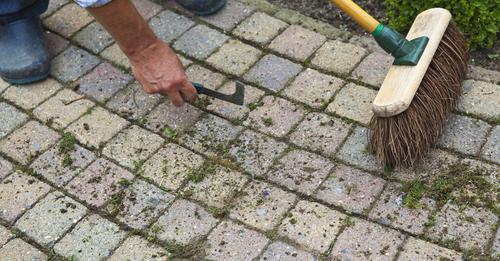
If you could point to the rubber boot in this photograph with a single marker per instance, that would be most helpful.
(23, 55)
(202, 7)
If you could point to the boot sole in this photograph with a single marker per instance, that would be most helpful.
(212, 11)
(27, 80)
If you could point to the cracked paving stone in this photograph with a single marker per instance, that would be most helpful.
(99, 182)
(312, 225)
(481, 99)
(29, 141)
(68, 20)
(463, 134)
(297, 42)
(354, 102)
(5, 235)
(279, 251)
(256, 152)
(167, 115)
(338, 57)
(346, 187)
(209, 78)
(5, 168)
(94, 38)
(416, 249)
(491, 150)
(320, 132)
(103, 82)
(313, 88)
(170, 166)
(62, 109)
(272, 72)
(217, 187)
(391, 210)
(365, 239)
(92, 239)
(168, 25)
(50, 218)
(184, 223)
(51, 164)
(11, 118)
(355, 151)
(233, 111)
(147, 8)
(132, 145)
(200, 41)
(98, 127)
(262, 205)
(18, 192)
(137, 248)
(232, 14)
(73, 63)
(31, 95)
(133, 102)
(116, 56)
(234, 57)
(142, 203)
(301, 171)
(469, 228)
(260, 28)
(55, 43)
(230, 241)
(17, 249)
(210, 135)
(276, 116)
(373, 69)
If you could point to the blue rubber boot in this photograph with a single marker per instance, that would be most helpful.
(23, 54)
(202, 7)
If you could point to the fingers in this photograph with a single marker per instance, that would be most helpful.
(175, 97)
(188, 91)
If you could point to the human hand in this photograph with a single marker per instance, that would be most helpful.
(158, 70)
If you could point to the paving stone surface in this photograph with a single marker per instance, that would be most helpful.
(320, 132)
(29, 96)
(3, 85)
(346, 187)
(104, 81)
(116, 56)
(338, 57)
(256, 152)
(132, 102)
(208, 78)
(491, 150)
(184, 223)
(276, 116)
(200, 41)
(11, 119)
(272, 72)
(463, 134)
(436, 162)
(93, 37)
(50, 218)
(141, 204)
(71, 64)
(166, 115)
(5, 168)
(495, 249)
(365, 239)
(97, 127)
(29, 141)
(132, 146)
(62, 109)
(354, 102)
(478, 73)
(279, 251)
(54, 6)
(232, 111)
(55, 44)
(53, 165)
(259, 28)
(297, 42)
(99, 182)
(355, 151)
(147, 8)
(301, 171)
(168, 25)
(416, 249)
(313, 88)
(262, 205)
(137, 248)
(17, 249)
(5, 235)
(373, 69)
(233, 13)
(234, 57)
(92, 239)
(478, 99)
(312, 225)
(68, 20)
(230, 241)
(18, 192)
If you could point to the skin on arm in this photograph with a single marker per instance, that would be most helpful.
(154, 63)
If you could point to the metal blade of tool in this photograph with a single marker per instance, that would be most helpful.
(236, 98)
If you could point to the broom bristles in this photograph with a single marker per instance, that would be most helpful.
(405, 138)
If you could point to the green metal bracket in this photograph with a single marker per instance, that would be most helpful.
(406, 52)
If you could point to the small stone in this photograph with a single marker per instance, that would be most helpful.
(259, 28)
(463, 134)
(11, 118)
(338, 57)
(312, 225)
(31, 95)
(491, 150)
(94, 37)
(17, 249)
(272, 72)
(167, 115)
(68, 20)
(234, 57)
(230, 241)
(71, 64)
(354, 102)
(168, 25)
(200, 41)
(416, 249)
(92, 239)
(355, 151)
(301, 171)
(232, 14)
(297, 42)
(279, 251)
(481, 99)
(137, 248)
(103, 82)
(373, 69)
(133, 102)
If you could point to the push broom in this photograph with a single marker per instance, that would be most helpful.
(421, 88)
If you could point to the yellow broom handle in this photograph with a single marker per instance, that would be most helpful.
(358, 14)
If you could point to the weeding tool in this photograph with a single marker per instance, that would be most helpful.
(236, 98)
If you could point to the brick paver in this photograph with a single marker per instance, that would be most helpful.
(491, 150)
(259, 28)
(11, 118)
(137, 248)
(477, 99)
(166, 115)
(355, 151)
(29, 96)
(297, 42)
(168, 25)
(71, 64)
(132, 102)
(5, 235)
(200, 41)
(208, 78)
(338, 57)
(116, 56)
(94, 38)
(272, 72)
(5, 168)
(67, 20)
(280, 251)
(234, 57)
(17, 249)
(464, 134)
(416, 249)
(353, 102)
(55, 44)
(104, 81)
(230, 15)
(373, 69)
(147, 8)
